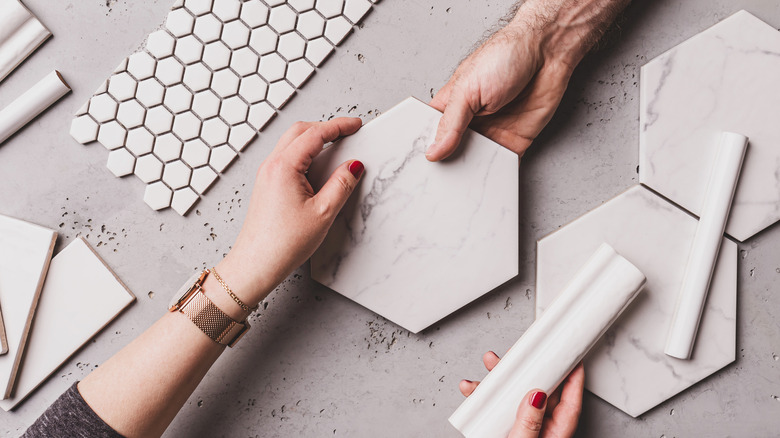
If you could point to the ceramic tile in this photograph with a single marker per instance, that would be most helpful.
(160, 44)
(167, 147)
(311, 25)
(244, 61)
(226, 10)
(180, 22)
(225, 83)
(317, 50)
(221, 157)
(170, 71)
(131, 114)
(82, 109)
(24, 261)
(103, 108)
(628, 368)
(234, 110)
(186, 125)
(215, 132)
(178, 99)
(253, 88)
(301, 5)
(391, 248)
(121, 162)
(84, 129)
(196, 153)
(122, 86)
(299, 71)
(112, 135)
(235, 34)
(260, 114)
(80, 297)
(205, 77)
(141, 65)
(197, 77)
(279, 93)
(355, 10)
(139, 141)
(336, 29)
(148, 168)
(22, 33)
(176, 174)
(216, 55)
(282, 18)
(254, 13)
(272, 67)
(291, 46)
(202, 179)
(183, 200)
(680, 118)
(330, 8)
(189, 50)
(159, 120)
(206, 104)
(158, 195)
(150, 92)
(240, 136)
(208, 28)
(198, 7)
(263, 40)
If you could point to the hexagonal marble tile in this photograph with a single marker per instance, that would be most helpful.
(628, 367)
(417, 240)
(681, 117)
(210, 79)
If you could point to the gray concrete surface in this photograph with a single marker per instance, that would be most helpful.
(316, 364)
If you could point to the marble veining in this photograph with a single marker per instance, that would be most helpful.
(418, 240)
(628, 367)
(723, 79)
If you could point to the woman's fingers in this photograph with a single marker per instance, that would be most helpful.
(308, 144)
(467, 387)
(334, 194)
(530, 415)
(490, 360)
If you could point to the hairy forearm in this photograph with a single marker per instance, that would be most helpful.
(568, 28)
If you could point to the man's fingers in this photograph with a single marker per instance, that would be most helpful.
(440, 99)
(467, 387)
(490, 360)
(342, 182)
(309, 143)
(530, 415)
(458, 113)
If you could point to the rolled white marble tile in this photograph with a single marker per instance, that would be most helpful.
(706, 244)
(33, 102)
(20, 34)
(554, 344)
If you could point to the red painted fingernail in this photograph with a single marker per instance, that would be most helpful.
(356, 168)
(538, 399)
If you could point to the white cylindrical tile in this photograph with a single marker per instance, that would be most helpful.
(27, 106)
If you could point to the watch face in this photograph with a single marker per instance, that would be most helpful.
(183, 289)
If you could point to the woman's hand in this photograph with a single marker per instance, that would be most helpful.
(512, 84)
(286, 221)
(538, 416)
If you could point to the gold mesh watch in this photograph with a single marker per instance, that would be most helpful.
(191, 301)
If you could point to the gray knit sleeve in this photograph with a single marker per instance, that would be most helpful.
(70, 416)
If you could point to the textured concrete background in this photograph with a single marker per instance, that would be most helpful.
(316, 364)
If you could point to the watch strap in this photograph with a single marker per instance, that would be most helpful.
(213, 321)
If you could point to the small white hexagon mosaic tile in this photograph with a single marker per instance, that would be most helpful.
(182, 108)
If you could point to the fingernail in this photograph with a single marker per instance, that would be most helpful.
(538, 399)
(356, 168)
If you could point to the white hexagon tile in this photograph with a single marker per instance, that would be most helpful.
(723, 79)
(628, 367)
(182, 108)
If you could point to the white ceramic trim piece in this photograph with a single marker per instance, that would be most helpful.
(33, 102)
(554, 344)
(25, 253)
(706, 244)
(80, 297)
(20, 34)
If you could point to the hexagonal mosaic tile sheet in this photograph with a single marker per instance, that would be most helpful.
(628, 367)
(180, 110)
(723, 79)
